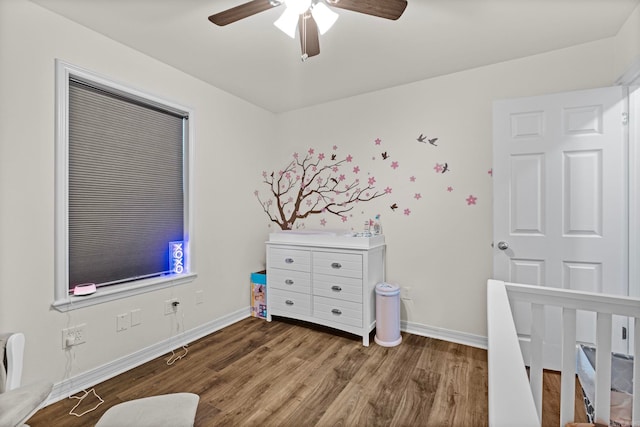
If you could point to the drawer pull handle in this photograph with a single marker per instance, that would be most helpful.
(336, 288)
(289, 282)
(336, 265)
(288, 260)
(336, 311)
(288, 302)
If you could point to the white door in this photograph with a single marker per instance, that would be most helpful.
(560, 202)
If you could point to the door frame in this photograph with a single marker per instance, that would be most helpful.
(631, 80)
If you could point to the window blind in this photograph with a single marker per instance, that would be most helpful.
(126, 186)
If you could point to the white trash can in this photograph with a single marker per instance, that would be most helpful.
(388, 315)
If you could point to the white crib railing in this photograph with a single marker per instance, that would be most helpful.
(515, 400)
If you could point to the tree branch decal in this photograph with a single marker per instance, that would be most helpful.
(315, 184)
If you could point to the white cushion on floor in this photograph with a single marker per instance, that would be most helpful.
(167, 410)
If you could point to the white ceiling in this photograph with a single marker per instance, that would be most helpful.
(253, 60)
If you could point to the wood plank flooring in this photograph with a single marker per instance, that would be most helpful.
(282, 373)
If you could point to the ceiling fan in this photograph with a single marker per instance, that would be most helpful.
(310, 17)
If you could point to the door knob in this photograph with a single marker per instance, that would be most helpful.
(503, 246)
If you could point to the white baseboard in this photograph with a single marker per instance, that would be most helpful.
(88, 379)
(444, 334)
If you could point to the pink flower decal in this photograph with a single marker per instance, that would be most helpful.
(407, 212)
(490, 171)
(471, 200)
(449, 189)
(255, 193)
(388, 190)
(344, 218)
(295, 155)
(323, 222)
(356, 169)
(372, 180)
(378, 141)
(335, 169)
(311, 151)
(321, 156)
(341, 177)
(335, 147)
(394, 165)
(417, 196)
(412, 178)
(264, 174)
(438, 168)
(349, 158)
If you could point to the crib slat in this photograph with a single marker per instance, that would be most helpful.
(636, 373)
(568, 377)
(603, 368)
(535, 368)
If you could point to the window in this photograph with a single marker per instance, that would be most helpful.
(122, 189)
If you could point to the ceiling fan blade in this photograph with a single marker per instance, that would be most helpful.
(309, 40)
(389, 9)
(242, 11)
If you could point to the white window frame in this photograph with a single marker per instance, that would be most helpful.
(63, 301)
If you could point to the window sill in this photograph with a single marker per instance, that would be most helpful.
(115, 292)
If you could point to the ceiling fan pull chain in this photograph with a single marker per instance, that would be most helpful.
(304, 37)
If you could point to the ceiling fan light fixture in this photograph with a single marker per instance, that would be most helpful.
(288, 22)
(324, 17)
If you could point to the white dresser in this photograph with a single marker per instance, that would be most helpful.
(325, 278)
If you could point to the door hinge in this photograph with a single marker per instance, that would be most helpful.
(625, 118)
(624, 332)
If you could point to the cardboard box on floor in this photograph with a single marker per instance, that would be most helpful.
(259, 294)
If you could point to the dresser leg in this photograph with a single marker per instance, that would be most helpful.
(365, 340)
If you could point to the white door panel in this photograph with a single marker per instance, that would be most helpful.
(560, 199)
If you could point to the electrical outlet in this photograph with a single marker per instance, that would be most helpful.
(74, 335)
(171, 306)
(199, 296)
(123, 321)
(405, 292)
(80, 334)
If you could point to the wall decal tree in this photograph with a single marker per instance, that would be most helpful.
(316, 184)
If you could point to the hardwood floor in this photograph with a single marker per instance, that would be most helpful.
(256, 373)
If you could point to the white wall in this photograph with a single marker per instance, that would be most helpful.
(627, 44)
(229, 237)
(442, 249)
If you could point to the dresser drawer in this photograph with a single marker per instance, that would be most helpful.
(289, 259)
(345, 312)
(343, 288)
(289, 280)
(285, 302)
(338, 264)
